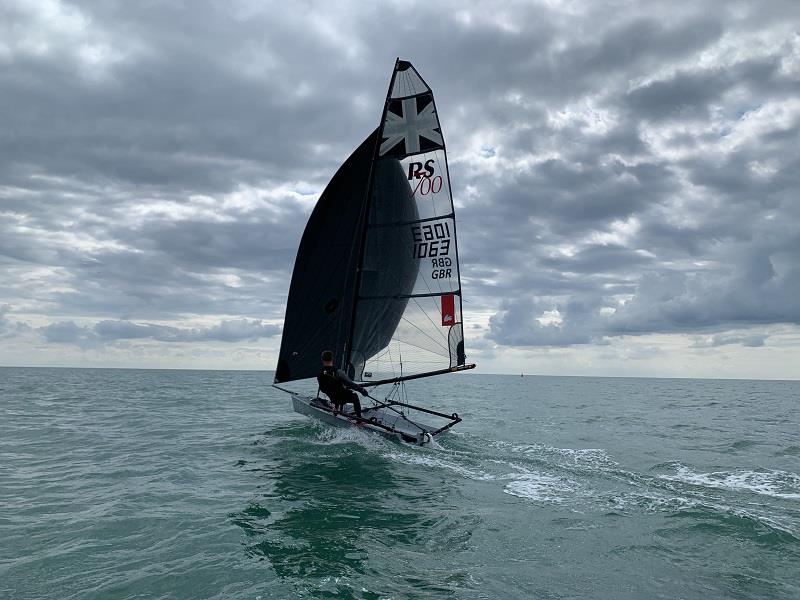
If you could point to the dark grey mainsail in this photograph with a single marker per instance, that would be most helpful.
(376, 279)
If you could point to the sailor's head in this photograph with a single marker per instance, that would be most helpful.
(327, 358)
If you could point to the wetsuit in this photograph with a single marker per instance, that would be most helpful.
(334, 383)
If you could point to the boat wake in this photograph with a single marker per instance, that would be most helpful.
(590, 481)
(587, 481)
(542, 488)
(777, 484)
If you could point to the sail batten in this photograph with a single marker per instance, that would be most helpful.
(400, 297)
(398, 223)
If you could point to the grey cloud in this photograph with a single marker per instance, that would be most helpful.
(180, 111)
(598, 259)
(684, 96)
(234, 331)
(63, 332)
(641, 42)
(67, 332)
(748, 294)
(164, 267)
(754, 340)
(226, 331)
(516, 323)
(733, 177)
(10, 328)
(103, 161)
(249, 245)
(691, 94)
(567, 198)
(752, 293)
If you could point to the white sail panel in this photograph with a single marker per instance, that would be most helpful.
(415, 286)
(433, 246)
(427, 177)
(421, 342)
(407, 82)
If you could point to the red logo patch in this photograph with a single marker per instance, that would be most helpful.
(448, 310)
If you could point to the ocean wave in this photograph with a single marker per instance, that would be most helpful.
(410, 457)
(329, 435)
(705, 514)
(577, 456)
(789, 451)
(541, 487)
(777, 484)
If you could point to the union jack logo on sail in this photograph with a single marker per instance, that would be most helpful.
(411, 127)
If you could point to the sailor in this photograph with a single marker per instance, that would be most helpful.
(335, 383)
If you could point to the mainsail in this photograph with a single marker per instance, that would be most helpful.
(376, 279)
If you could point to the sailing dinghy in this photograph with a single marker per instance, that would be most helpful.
(376, 279)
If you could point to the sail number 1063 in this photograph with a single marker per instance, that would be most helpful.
(431, 240)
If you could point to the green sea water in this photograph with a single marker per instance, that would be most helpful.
(204, 484)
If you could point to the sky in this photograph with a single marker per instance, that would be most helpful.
(625, 176)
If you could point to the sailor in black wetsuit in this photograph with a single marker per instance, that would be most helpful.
(335, 383)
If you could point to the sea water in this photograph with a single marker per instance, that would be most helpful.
(204, 484)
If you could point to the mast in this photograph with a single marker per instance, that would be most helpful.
(347, 354)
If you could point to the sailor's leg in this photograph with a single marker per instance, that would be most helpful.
(356, 403)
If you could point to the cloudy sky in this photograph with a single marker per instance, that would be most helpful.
(626, 176)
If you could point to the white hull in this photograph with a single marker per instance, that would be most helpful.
(383, 421)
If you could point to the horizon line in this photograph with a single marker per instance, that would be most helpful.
(473, 374)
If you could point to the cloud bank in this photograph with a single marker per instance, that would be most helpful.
(622, 171)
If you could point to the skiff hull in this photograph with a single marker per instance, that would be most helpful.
(388, 423)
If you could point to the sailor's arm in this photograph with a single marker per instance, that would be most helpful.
(349, 383)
